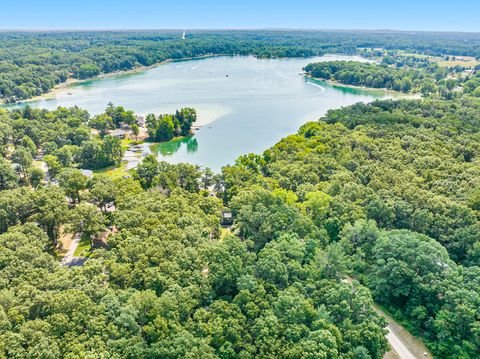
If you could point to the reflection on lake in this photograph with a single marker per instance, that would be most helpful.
(171, 147)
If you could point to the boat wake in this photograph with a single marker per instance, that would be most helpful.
(316, 85)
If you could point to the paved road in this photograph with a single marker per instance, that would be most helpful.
(398, 346)
(405, 345)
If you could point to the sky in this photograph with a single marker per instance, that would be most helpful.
(427, 15)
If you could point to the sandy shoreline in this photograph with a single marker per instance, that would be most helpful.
(206, 116)
(52, 93)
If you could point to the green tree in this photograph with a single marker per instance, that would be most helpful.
(407, 270)
(86, 219)
(135, 131)
(73, 182)
(53, 164)
(29, 145)
(51, 210)
(23, 158)
(165, 130)
(8, 178)
(102, 191)
(112, 151)
(102, 123)
(147, 171)
(208, 178)
(67, 154)
(36, 175)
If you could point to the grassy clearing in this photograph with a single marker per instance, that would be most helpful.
(126, 142)
(83, 248)
(418, 56)
(463, 61)
(113, 171)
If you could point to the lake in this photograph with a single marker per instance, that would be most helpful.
(244, 104)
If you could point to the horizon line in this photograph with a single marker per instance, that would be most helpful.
(101, 29)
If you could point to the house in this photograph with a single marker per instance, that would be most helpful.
(118, 133)
(227, 218)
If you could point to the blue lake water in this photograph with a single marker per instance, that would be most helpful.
(246, 104)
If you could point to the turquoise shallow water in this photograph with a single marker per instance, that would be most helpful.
(250, 103)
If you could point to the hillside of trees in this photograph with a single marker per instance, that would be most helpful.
(32, 63)
(386, 193)
(429, 81)
(395, 185)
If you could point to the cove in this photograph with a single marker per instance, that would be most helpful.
(244, 104)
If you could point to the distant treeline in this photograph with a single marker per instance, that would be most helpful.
(431, 81)
(31, 63)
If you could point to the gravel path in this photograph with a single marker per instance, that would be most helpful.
(69, 259)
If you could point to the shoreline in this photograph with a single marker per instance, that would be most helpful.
(404, 95)
(144, 68)
(51, 94)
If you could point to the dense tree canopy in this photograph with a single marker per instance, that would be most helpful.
(165, 127)
(396, 184)
(170, 286)
(387, 193)
(431, 81)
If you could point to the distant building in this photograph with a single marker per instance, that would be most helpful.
(141, 121)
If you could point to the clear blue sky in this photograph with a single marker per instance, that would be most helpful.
(447, 15)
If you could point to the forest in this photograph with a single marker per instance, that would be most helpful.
(430, 81)
(171, 282)
(395, 186)
(387, 194)
(32, 63)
